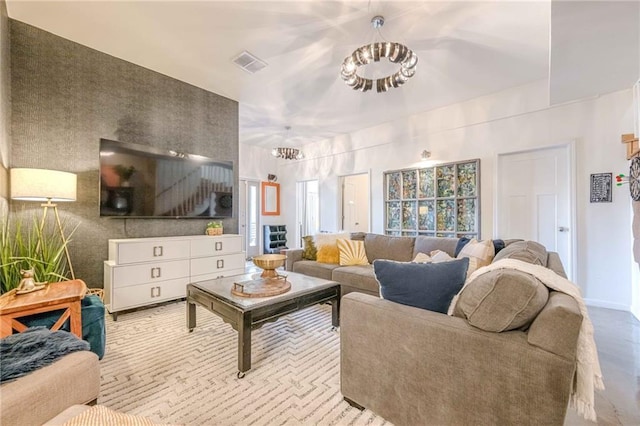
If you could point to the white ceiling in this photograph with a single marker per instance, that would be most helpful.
(465, 49)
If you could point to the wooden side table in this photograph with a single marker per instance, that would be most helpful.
(63, 295)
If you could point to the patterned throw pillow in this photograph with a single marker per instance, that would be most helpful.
(480, 253)
(352, 252)
(309, 251)
(328, 254)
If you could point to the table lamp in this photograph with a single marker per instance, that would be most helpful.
(50, 186)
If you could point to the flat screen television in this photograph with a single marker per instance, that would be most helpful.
(145, 182)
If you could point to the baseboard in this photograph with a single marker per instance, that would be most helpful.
(609, 305)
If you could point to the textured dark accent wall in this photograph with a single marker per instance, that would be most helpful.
(65, 97)
(5, 108)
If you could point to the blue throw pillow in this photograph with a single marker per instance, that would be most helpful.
(422, 285)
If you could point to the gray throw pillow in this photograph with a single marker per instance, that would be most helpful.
(502, 300)
(422, 285)
(526, 251)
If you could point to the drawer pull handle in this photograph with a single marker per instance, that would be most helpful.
(220, 263)
(159, 291)
(153, 291)
(157, 251)
(156, 272)
(218, 246)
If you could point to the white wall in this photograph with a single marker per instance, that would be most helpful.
(255, 164)
(511, 120)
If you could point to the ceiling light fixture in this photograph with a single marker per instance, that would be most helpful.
(396, 52)
(287, 153)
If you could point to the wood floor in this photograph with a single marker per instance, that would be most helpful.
(617, 336)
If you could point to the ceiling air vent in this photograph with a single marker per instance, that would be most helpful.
(249, 63)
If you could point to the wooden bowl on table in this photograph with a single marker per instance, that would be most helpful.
(269, 263)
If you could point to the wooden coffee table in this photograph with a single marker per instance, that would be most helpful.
(63, 295)
(245, 313)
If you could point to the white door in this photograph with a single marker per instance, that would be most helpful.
(534, 199)
(355, 203)
(248, 216)
(308, 209)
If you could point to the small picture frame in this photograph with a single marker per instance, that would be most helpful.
(601, 187)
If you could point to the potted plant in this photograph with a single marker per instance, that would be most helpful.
(124, 173)
(214, 227)
(25, 247)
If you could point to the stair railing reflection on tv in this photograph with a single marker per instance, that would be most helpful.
(192, 190)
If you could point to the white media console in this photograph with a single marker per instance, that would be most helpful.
(144, 271)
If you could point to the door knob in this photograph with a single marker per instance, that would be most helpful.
(563, 229)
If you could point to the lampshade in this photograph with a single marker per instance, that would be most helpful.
(42, 185)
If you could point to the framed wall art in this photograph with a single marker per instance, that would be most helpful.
(600, 188)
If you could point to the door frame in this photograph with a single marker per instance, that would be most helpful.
(245, 181)
(340, 203)
(570, 146)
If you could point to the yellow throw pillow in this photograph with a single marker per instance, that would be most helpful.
(328, 253)
(310, 251)
(352, 252)
(480, 253)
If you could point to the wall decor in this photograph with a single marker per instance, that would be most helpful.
(270, 199)
(600, 187)
(442, 200)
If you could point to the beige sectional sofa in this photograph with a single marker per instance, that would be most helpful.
(414, 366)
(46, 392)
(361, 278)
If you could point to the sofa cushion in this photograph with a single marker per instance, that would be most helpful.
(360, 277)
(498, 245)
(387, 247)
(480, 253)
(422, 285)
(526, 251)
(352, 253)
(502, 300)
(315, 269)
(424, 244)
(309, 251)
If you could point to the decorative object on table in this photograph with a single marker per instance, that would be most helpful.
(28, 283)
(49, 186)
(600, 188)
(214, 227)
(364, 55)
(270, 198)
(269, 263)
(268, 283)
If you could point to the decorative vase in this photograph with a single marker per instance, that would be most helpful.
(214, 231)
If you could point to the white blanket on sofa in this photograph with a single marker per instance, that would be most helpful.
(588, 373)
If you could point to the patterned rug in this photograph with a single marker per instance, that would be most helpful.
(154, 367)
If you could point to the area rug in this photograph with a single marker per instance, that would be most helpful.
(155, 368)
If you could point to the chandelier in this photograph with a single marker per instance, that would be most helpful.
(287, 153)
(364, 55)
